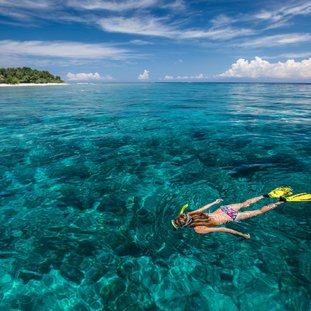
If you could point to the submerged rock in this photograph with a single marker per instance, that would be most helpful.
(288, 282)
(112, 289)
(72, 274)
(129, 249)
(26, 276)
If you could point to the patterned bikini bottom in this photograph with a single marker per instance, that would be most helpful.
(230, 212)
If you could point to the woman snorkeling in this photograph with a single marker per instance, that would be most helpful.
(205, 223)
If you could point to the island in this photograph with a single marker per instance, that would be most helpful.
(26, 75)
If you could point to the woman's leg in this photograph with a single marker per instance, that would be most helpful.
(246, 203)
(249, 214)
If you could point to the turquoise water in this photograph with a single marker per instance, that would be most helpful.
(91, 176)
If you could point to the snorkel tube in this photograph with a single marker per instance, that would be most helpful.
(181, 212)
(183, 208)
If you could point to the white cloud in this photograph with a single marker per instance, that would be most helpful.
(260, 68)
(117, 6)
(25, 10)
(92, 5)
(150, 26)
(285, 12)
(107, 78)
(275, 15)
(277, 40)
(125, 5)
(141, 42)
(83, 76)
(222, 20)
(296, 55)
(90, 10)
(200, 76)
(216, 33)
(61, 49)
(136, 25)
(135, 17)
(144, 76)
(27, 5)
(139, 23)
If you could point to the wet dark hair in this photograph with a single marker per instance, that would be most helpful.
(198, 219)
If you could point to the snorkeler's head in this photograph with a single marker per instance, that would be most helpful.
(183, 220)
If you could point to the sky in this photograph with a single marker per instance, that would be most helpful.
(159, 40)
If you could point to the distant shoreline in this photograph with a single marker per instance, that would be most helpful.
(31, 84)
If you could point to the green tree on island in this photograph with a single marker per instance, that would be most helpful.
(27, 75)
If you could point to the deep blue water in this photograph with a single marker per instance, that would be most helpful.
(91, 176)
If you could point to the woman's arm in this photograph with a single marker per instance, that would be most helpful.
(205, 230)
(206, 206)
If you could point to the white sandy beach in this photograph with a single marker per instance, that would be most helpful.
(31, 84)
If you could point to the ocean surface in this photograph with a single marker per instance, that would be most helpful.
(91, 176)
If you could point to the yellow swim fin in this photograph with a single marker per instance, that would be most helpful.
(300, 197)
(280, 192)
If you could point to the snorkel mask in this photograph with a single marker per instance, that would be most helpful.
(181, 212)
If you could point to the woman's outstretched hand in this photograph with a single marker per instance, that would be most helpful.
(246, 236)
(218, 201)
